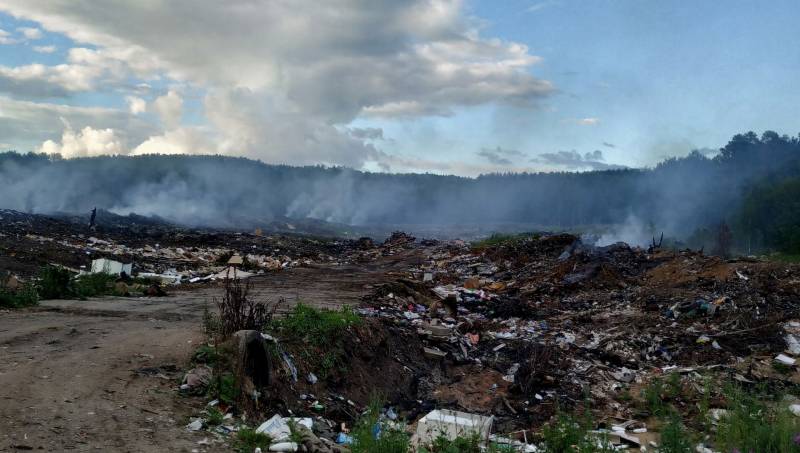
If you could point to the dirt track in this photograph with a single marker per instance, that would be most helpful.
(68, 369)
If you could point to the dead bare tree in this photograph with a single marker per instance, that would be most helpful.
(238, 311)
(654, 246)
(723, 241)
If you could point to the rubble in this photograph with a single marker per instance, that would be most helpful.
(514, 331)
(160, 251)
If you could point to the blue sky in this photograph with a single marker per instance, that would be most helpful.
(434, 85)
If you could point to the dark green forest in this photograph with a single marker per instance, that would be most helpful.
(752, 186)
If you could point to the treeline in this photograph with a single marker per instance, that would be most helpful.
(748, 185)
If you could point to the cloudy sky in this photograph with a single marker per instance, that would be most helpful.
(445, 86)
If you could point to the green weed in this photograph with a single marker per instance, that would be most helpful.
(223, 387)
(372, 435)
(205, 354)
(753, 425)
(321, 332)
(652, 396)
(674, 438)
(674, 388)
(571, 434)
(215, 416)
(247, 440)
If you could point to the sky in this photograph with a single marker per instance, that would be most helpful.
(442, 86)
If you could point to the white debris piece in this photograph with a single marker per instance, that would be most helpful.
(785, 359)
(106, 266)
(196, 425)
(276, 428)
(452, 424)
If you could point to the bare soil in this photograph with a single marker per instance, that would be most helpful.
(101, 374)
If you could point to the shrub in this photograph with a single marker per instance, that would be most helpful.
(22, 297)
(94, 285)
(55, 283)
(237, 311)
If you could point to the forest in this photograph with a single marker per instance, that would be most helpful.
(751, 187)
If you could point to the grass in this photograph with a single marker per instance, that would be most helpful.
(784, 257)
(215, 416)
(247, 440)
(498, 239)
(464, 444)
(206, 354)
(571, 434)
(321, 332)
(223, 387)
(372, 435)
(752, 424)
(652, 397)
(674, 437)
(704, 405)
(756, 420)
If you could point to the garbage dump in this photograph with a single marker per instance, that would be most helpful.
(534, 336)
(494, 342)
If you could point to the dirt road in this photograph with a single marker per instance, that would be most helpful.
(101, 374)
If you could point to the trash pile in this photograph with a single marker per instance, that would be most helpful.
(169, 253)
(520, 330)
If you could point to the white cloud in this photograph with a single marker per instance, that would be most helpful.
(169, 108)
(38, 80)
(282, 75)
(536, 7)
(136, 105)
(30, 33)
(588, 121)
(86, 142)
(44, 49)
(82, 72)
(27, 124)
(5, 37)
(176, 141)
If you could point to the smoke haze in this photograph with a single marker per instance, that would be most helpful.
(677, 196)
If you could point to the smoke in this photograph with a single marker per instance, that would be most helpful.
(675, 198)
(633, 231)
